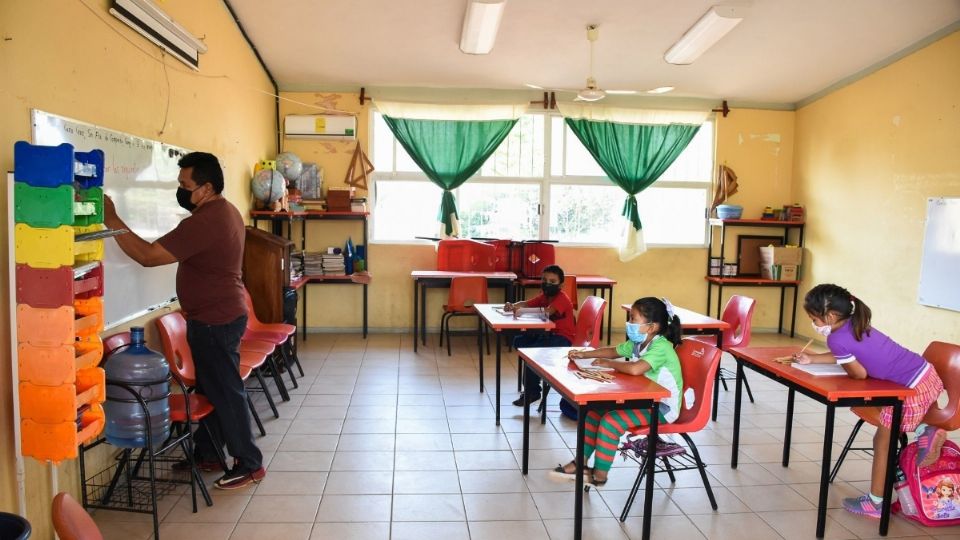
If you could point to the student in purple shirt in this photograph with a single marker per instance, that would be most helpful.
(864, 351)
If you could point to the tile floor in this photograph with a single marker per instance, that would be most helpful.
(381, 443)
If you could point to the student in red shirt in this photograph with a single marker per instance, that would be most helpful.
(554, 305)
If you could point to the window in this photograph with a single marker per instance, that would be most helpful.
(542, 183)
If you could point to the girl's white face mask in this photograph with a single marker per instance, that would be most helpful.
(822, 330)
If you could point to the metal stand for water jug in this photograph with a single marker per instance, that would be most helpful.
(123, 485)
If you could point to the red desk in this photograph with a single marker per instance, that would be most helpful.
(837, 391)
(359, 278)
(693, 323)
(426, 279)
(625, 392)
(500, 323)
(595, 283)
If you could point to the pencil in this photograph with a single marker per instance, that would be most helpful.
(805, 346)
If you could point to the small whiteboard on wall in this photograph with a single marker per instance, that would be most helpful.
(140, 175)
(940, 268)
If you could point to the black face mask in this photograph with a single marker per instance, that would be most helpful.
(550, 289)
(183, 198)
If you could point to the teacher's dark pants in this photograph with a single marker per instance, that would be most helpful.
(536, 338)
(216, 357)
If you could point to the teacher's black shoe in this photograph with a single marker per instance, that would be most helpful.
(519, 401)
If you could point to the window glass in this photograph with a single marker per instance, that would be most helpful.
(499, 210)
(405, 209)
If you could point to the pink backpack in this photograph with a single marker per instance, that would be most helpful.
(930, 495)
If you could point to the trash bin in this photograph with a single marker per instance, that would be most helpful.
(13, 527)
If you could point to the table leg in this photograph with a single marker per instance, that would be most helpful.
(578, 498)
(719, 299)
(891, 467)
(651, 469)
(423, 314)
(709, 294)
(609, 314)
(526, 429)
(498, 377)
(716, 382)
(364, 311)
(788, 428)
(416, 318)
(736, 414)
(825, 471)
(480, 349)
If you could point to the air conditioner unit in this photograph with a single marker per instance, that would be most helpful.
(320, 126)
(152, 23)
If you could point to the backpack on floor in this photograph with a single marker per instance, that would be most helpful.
(931, 493)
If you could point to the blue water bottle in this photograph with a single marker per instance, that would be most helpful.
(348, 257)
(137, 365)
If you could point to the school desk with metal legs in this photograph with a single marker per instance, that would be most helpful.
(832, 391)
(597, 284)
(427, 279)
(493, 316)
(623, 392)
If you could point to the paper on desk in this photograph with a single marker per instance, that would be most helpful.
(821, 370)
(505, 313)
(585, 364)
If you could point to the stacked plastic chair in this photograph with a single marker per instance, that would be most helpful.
(58, 196)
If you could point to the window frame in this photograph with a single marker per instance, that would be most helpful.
(544, 183)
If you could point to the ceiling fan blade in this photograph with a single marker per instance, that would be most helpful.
(533, 86)
(621, 92)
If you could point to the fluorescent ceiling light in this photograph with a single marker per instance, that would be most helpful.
(704, 34)
(480, 24)
(152, 23)
(660, 90)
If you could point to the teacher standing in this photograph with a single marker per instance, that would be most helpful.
(208, 245)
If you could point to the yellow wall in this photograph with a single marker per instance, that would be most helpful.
(868, 156)
(61, 57)
(756, 143)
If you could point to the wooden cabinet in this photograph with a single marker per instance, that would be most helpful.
(266, 272)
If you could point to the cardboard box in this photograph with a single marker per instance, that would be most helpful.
(780, 255)
(780, 272)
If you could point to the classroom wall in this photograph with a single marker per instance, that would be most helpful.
(758, 144)
(868, 156)
(74, 59)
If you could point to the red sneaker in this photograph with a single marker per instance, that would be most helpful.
(240, 478)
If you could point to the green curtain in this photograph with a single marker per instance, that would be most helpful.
(449, 152)
(633, 156)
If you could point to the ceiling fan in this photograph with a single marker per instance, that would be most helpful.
(590, 92)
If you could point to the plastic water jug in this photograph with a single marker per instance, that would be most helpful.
(137, 365)
(902, 489)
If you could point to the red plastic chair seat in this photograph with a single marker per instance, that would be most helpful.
(276, 338)
(460, 309)
(252, 359)
(264, 347)
(280, 328)
(200, 408)
(71, 520)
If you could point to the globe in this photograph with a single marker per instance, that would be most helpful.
(289, 165)
(268, 186)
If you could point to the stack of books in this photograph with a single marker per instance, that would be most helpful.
(333, 264)
(358, 204)
(313, 263)
(314, 205)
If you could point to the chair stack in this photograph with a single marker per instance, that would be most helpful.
(58, 195)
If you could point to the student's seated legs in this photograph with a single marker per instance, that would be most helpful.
(602, 432)
(535, 339)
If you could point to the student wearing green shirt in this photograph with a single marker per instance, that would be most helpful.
(653, 332)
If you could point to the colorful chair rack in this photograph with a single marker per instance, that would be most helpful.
(58, 194)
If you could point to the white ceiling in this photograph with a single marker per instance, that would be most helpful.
(784, 50)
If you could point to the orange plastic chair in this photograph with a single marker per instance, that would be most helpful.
(71, 521)
(173, 335)
(738, 313)
(945, 358)
(587, 335)
(280, 335)
(464, 293)
(569, 286)
(699, 362)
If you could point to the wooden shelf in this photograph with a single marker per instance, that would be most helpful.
(751, 281)
(715, 222)
(305, 214)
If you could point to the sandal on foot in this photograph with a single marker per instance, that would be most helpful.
(561, 473)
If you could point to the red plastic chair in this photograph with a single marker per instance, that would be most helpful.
(281, 335)
(587, 334)
(738, 313)
(71, 521)
(569, 286)
(173, 335)
(945, 358)
(464, 293)
(698, 362)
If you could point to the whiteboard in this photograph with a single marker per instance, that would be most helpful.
(141, 177)
(939, 286)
